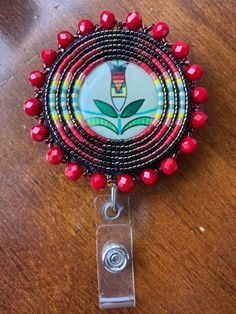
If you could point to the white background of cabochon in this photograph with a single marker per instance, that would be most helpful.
(97, 86)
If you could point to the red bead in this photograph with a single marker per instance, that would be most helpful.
(193, 72)
(198, 119)
(160, 30)
(125, 183)
(133, 21)
(98, 181)
(37, 79)
(180, 49)
(149, 176)
(169, 166)
(73, 171)
(55, 155)
(107, 20)
(85, 27)
(188, 145)
(39, 132)
(48, 56)
(32, 107)
(64, 39)
(199, 95)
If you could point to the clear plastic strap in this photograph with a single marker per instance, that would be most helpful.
(114, 252)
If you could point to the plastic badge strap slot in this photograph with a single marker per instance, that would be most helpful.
(114, 256)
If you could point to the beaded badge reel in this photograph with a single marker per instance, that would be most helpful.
(118, 103)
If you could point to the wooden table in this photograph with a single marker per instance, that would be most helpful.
(184, 227)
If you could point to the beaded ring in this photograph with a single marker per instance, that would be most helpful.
(117, 102)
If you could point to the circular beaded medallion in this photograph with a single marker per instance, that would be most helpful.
(119, 101)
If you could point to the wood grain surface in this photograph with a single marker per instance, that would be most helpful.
(184, 227)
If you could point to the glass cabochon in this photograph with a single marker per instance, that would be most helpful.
(118, 99)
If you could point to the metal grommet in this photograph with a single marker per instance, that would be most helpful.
(112, 204)
(107, 216)
(115, 257)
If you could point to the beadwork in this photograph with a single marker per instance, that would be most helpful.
(156, 131)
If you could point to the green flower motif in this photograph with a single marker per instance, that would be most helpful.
(118, 110)
(127, 112)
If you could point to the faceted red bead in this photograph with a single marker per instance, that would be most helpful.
(37, 79)
(198, 119)
(193, 72)
(199, 95)
(73, 171)
(64, 39)
(107, 20)
(85, 27)
(48, 56)
(188, 145)
(55, 155)
(169, 166)
(98, 181)
(125, 183)
(160, 30)
(180, 49)
(133, 21)
(149, 176)
(39, 132)
(32, 107)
